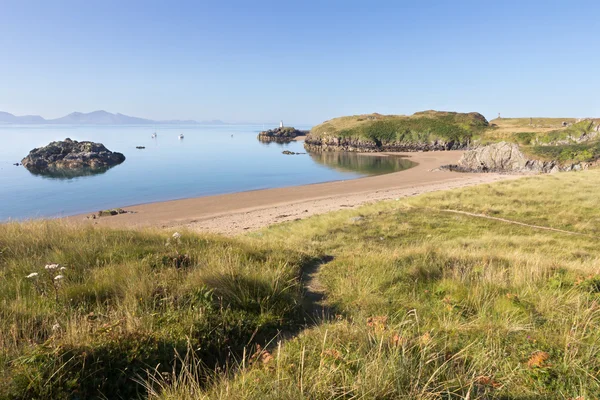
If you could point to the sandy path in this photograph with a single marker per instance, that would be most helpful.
(239, 212)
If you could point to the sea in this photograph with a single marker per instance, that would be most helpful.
(209, 160)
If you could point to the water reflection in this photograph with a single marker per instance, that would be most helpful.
(65, 174)
(277, 143)
(362, 163)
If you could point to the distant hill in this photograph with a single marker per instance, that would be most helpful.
(100, 117)
(8, 118)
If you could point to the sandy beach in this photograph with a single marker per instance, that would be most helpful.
(235, 213)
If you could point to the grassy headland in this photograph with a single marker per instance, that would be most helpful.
(561, 139)
(393, 130)
(428, 303)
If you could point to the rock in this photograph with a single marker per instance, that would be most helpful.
(115, 211)
(316, 144)
(16, 164)
(140, 147)
(287, 152)
(280, 135)
(71, 155)
(497, 157)
(507, 157)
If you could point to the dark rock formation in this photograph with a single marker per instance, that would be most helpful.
(108, 213)
(291, 153)
(506, 157)
(140, 147)
(280, 135)
(70, 155)
(371, 146)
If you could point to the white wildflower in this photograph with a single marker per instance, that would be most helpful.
(55, 327)
(32, 275)
(58, 277)
(176, 235)
(62, 268)
(51, 266)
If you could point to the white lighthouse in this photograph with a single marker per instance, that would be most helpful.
(281, 124)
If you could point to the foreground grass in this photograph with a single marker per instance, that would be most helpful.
(130, 302)
(427, 304)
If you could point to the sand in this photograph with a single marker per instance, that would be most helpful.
(236, 213)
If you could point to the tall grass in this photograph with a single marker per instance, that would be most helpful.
(128, 303)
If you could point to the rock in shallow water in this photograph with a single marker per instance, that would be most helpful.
(71, 155)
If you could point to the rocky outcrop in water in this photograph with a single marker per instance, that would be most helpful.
(371, 146)
(71, 155)
(507, 157)
(280, 135)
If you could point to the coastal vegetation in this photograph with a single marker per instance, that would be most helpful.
(479, 293)
(563, 140)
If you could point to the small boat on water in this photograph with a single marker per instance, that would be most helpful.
(154, 135)
(181, 136)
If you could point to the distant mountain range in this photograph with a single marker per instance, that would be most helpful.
(93, 118)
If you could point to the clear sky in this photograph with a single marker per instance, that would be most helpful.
(300, 61)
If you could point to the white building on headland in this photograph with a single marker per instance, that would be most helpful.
(281, 124)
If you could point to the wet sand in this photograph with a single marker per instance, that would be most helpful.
(241, 212)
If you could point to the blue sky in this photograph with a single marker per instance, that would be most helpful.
(301, 61)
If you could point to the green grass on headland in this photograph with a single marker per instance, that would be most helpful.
(430, 304)
(423, 127)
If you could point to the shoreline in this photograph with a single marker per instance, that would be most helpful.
(235, 213)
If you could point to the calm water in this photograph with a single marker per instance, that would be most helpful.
(208, 161)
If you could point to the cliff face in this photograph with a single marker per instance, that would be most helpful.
(424, 131)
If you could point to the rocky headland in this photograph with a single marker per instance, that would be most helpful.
(372, 145)
(71, 156)
(280, 135)
(508, 158)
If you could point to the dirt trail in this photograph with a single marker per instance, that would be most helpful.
(508, 221)
(313, 301)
